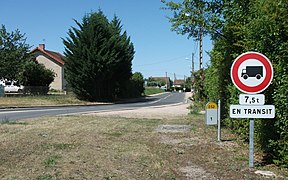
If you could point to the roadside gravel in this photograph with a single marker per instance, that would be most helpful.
(155, 112)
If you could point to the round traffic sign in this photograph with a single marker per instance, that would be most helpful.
(251, 72)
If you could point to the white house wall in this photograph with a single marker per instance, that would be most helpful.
(49, 63)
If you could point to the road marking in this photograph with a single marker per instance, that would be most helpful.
(21, 111)
(160, 99)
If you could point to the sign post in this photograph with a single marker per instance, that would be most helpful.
(219, 123)
(252, 73)
(251, 143)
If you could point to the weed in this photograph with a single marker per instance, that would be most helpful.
(44, 177)
(171, 176)
(193, 128)
(51, 161)
(5, 120)
(194, 111)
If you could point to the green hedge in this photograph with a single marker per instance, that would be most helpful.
(263, 28)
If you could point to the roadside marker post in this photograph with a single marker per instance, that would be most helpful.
(252, 73)
(212, 116)
(211, 113)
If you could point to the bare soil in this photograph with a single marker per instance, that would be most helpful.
(146, 143)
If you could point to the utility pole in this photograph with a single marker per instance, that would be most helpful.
(166, 79)
(200, 47)
(192, 78)
(192, 73)
(184, 88)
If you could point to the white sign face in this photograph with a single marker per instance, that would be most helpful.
(252, 72)
(211, 113)
(262, 111)
(211, 117)
(251, 99)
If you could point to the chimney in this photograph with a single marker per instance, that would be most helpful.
(42, 46)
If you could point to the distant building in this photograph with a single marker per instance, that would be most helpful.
(53, 61)
(178, 83)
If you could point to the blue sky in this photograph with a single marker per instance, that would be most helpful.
(158, 49)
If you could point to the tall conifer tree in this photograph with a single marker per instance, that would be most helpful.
(98, 57)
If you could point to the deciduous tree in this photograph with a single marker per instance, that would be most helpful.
(13, 53)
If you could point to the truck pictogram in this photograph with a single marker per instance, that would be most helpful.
(252, 71)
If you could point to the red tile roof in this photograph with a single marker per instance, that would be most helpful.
(54, 55)
(166, 79)
(178, 82)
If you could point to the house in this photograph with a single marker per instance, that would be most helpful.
(178, 83)
(53, 61)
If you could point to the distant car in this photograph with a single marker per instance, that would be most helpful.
(13, 86)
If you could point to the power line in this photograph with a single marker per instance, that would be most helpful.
(164, 61)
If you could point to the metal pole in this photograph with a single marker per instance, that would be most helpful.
(219, 121)
(251, 143)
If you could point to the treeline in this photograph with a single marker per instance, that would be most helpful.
(237, 27)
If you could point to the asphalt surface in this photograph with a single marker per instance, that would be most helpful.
(151, 101)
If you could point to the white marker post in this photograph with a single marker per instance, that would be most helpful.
(211, 113)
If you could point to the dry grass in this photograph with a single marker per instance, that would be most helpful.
(93, 147)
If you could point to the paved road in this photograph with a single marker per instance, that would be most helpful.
(24, 113)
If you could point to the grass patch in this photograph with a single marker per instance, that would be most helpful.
(151, 90)
(47, 100)
(6, 121)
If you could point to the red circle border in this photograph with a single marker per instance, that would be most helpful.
(252, 89)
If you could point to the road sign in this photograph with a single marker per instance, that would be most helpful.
(252, 72)
(251, 99)
(262, 111)
(211, 113)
